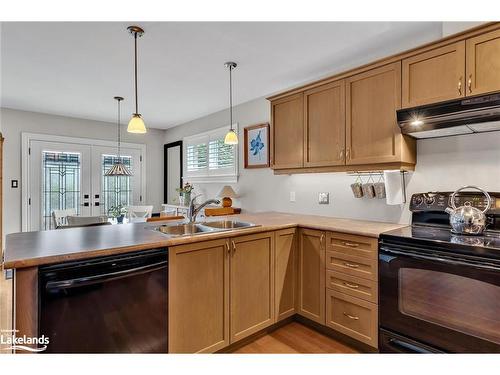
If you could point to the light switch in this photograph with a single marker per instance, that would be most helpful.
(292, 196)
(323, 198)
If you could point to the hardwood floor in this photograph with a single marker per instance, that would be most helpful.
(295, 338)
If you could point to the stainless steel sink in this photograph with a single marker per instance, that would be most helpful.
(227, 224)
(190, 229)
(183, 229)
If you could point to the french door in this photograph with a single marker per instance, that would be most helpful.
(71, 176)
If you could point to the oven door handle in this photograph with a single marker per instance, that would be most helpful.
(82, 281)
(441, 259)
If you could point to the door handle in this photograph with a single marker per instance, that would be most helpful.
(353, 317)
(352, 286)
(460, 86)
(469, 84)
(234, 247)
(351, 244)
(351, 265)
(228, 249)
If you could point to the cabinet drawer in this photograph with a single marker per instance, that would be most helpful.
(352, 285)
(353, 317)
(352, 245)
(352, 265)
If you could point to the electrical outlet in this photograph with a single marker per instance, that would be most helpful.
(292, 196)
(324, 198)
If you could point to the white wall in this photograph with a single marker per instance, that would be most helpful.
(443, 164)
(14, 122)
(450, 28)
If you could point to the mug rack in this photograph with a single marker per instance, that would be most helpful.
(359, 174)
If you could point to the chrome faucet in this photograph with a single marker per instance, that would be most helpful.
(194, 210)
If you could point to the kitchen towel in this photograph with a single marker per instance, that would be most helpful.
(393, 187)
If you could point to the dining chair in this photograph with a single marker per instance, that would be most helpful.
(75, 221)
(139, 212)
(59, 217)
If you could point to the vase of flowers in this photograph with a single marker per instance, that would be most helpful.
(185, 194)
(117, 212)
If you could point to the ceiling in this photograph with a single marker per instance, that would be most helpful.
(75, 68)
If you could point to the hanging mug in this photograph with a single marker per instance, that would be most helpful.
(379, 190)
(357, 190)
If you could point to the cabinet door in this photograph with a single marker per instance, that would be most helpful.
(372, 99)
(251, 284)
(287, 116)
(312, 275)
(483, 63)
(324, 125)
(434, 76)
(198, 297)
(285, 273)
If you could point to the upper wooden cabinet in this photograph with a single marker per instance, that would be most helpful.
(483, 63)
(434, 76)
(324, 125)
(287, 117)
(372, 132)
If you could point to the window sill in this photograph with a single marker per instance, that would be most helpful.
(211, 179)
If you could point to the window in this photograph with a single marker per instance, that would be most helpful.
(208, 159)
(116, 190)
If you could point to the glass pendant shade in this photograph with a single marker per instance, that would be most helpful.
(231, 138)
(118, 169)
(136, 125)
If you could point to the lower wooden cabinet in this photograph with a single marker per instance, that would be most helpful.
(352, 316)
(251, 284)
(198, 297)
(312, 275)
(286, 255)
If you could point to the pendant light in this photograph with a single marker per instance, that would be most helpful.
(231, 136)
(136, 124)
(118, 169)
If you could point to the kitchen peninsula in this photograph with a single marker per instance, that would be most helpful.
(229, 285)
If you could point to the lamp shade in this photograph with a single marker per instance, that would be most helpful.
(136, 124)
(231, 138)
(227, 192)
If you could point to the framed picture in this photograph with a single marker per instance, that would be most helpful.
(257, 146)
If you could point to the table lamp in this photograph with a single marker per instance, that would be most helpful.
(226, 193)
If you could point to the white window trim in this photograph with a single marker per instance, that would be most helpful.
(26, 138)
(210, 178)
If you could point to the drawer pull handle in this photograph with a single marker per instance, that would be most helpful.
(353, 317)
(352, 286)
(351, 265)
(351, 244)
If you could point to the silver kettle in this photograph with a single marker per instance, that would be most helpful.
(467, 219)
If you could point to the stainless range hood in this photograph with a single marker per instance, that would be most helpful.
(455, 117)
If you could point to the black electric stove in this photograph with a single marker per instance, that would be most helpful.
(440, 292)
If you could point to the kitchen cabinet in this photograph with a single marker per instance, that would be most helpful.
(434, 76)
(312, 275)
(483, 63)
(372, 132)
(251, 284)
(287, 132)
(199, 297)
(285, 273)
(324, 125)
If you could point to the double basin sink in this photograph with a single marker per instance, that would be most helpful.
(189, 229)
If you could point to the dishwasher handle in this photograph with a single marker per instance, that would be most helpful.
(95, 279)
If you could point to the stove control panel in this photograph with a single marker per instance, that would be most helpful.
(438, 201)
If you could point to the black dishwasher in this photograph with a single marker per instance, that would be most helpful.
(113, 304)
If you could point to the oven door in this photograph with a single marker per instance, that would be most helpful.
(446, 302)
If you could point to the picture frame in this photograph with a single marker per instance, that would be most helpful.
(257, 148)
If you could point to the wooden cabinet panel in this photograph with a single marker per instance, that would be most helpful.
(434, 76)
(352, 285)
(353, 317)
(352, 265)
(372, 133)
(324, 125)
(251, 284)
(360, 246)
(483, 63)
(285, 273)
(312, 275)
(198, 297)
(287, 133)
